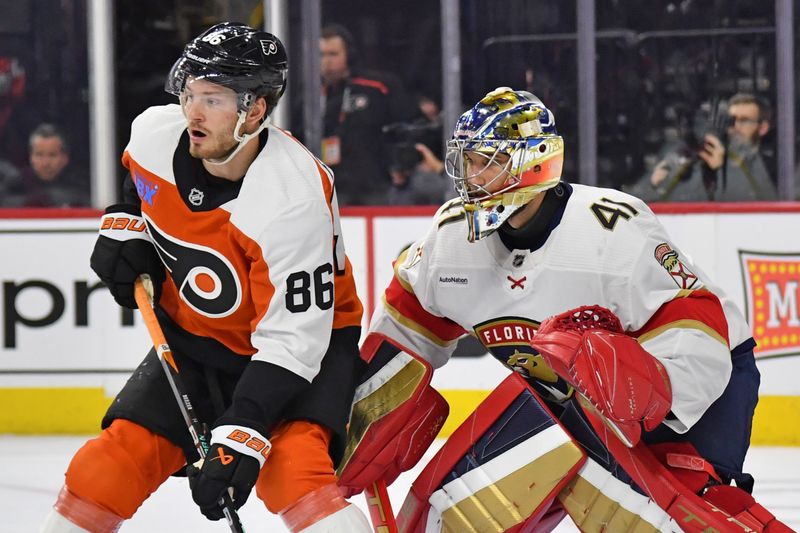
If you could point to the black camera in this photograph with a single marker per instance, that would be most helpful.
(709, 118)
(401, 138)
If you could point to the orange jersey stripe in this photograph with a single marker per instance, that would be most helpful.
(347, 306)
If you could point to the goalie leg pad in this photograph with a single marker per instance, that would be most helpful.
(598, 501)
(694, 513)
(744, 510)
(396, 415)
(502, 468)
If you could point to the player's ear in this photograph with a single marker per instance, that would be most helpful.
(258, 111)
(763, 128)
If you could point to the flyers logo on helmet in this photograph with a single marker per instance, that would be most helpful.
(268, 47)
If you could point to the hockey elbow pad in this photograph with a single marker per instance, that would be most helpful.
(123, 251)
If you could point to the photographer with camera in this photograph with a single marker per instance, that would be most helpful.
(730, 164)
(417, 173)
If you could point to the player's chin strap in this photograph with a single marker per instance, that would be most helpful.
(241, 139)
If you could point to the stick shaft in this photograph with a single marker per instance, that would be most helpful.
(200, 438)
(380, 508)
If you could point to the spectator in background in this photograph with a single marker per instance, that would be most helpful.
(16, 119)
(357, 104)
(50, 181)
(416, 168)
(423, 183)
(731, 165)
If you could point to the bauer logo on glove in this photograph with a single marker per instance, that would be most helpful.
(233, 463)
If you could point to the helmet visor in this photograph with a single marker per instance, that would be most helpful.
(186, 71)
(208, 97)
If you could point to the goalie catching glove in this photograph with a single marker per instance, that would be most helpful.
(123, 251)
(234, 460)
(628, 386)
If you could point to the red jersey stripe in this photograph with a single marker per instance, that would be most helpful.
(698, 309)
(375, 84)
(408, 310)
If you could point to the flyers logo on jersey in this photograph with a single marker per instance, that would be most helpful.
(668, 258)
(771, 297)
(207, 281)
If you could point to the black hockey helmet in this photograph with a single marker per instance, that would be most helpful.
(251, 62)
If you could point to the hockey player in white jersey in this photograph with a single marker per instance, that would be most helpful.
(237, 223)
(659, 370)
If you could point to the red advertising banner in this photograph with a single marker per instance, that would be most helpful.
(771, 283)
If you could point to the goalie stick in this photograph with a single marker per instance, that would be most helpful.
(143, 293)
(380, 507)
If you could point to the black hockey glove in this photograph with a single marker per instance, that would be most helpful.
(234, 460)
(123, 251)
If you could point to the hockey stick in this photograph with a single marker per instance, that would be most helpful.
(143, 293)
(380, 508)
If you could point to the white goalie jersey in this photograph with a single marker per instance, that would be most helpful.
(606, 248)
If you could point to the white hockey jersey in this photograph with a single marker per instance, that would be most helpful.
(260, 269)
(608, 249)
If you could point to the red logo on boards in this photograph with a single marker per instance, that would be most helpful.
(771, 300)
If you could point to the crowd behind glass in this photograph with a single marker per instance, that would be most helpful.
(685, 90)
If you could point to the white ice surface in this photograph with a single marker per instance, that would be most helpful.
(32, 472)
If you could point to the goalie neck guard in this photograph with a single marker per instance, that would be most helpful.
(519, 126)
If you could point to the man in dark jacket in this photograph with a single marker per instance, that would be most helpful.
(357, 104)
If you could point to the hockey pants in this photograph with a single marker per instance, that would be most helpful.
(118, 470)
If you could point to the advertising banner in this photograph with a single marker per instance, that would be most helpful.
(64, 339)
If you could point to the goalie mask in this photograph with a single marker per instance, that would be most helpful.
(252, 63)
(509, 136)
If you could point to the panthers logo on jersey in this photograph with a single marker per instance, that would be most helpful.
(508, 339)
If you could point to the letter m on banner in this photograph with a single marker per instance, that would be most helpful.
(771, 283)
